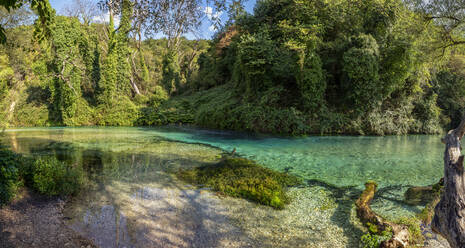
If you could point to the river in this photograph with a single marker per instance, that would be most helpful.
(133, 199)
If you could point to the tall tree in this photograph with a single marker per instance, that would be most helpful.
(68, 65)
(84, 10)
(124, 75)
(15, 17)
(448, 14)
(140, 14)
(108, 79)
(174, 18)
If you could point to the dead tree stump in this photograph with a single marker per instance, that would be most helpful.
(449, 213)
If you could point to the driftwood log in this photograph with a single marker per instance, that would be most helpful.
(449, 213)
(400, 234)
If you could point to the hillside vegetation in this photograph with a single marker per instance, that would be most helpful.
(292, 67)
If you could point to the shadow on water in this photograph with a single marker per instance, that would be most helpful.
(133, 200)
(146, 216)
(345, 198)
(345, 215)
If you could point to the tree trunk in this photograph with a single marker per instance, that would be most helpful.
(400, 233)
(449, 218)
(134, 86)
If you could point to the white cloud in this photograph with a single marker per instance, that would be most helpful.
(212, 28)
(105, 18)
(209, 12)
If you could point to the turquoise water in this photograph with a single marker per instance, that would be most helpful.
(336, 160)
(120, 162)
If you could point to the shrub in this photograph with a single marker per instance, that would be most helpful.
(239, 177)
(371, 240)
(171, 72)
(9, 175)
(52, 177)
(159, 96)
(29, 115)
(119, 112)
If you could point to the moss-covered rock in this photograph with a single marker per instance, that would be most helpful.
(239, 177)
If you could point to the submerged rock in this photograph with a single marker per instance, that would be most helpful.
(419, 195)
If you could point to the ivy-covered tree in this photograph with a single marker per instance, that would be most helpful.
(122, 50)
(68, 64)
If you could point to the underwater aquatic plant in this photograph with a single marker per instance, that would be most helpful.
(239, 177)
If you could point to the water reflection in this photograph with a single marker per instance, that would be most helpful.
(106, 227)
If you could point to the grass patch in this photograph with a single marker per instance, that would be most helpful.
(239, 177)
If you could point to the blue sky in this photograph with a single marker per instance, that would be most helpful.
(205, 31)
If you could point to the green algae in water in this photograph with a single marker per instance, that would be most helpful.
(239, 177)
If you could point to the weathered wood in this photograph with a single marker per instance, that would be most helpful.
(449, 214)
(400, 234)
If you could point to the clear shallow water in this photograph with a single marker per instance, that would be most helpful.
(336, 160)
(129, 179)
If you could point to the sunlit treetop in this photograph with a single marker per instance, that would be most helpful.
(42, 9)
(448, 14)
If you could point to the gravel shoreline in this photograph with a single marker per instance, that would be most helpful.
(181, 218)
(31, 220)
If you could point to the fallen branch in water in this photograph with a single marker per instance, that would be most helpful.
(400, 233)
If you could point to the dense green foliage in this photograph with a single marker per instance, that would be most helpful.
(239, 177)
(373, 240)
(70, 50)
(52, 177)
(9, 175)
(324, 67)
(45, 175)
(292, 67)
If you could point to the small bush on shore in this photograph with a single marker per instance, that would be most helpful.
(46, 175)
(244, 178)
(52, 177)
(9, 175)
(373, 240)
